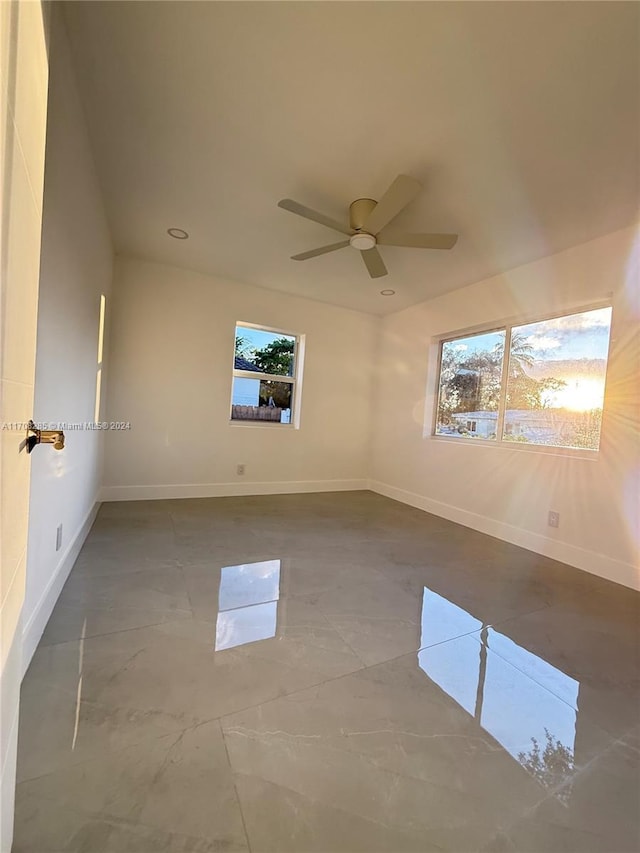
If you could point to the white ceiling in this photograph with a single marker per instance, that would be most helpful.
(521, 119)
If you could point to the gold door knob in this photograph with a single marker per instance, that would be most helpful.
(44, 436)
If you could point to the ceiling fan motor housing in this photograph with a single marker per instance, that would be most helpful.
(359, 212)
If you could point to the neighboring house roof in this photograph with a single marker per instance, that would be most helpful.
(511, 415)
(241, 363)
(490, 416)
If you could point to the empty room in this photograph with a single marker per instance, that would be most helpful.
(320, 351)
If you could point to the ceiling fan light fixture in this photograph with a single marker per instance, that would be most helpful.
(367, 228)
(362, 241)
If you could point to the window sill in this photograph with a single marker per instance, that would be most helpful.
(520, 447)
(261, 424)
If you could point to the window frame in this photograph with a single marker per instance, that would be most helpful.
(97, 410)
(295, 380)
(507, 326)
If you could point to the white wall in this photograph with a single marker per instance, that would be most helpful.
(23, 116)
(508, 492)
(76, 267)
(171, 360)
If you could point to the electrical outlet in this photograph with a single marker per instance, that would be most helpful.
(59, 537)
(554, 519)
(240, 470)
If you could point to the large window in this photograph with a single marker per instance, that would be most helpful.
(265, 375)
(548, 390)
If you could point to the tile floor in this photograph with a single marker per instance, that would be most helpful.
(331, 672)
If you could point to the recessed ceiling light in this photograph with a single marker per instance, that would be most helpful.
(387, 292)
(178, 233)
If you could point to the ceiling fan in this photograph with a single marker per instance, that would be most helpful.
(367, 226)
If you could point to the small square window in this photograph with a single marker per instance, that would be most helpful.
(265, 373)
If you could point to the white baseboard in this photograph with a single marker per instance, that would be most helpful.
(34, 628)
(224, 490)
(589, 561)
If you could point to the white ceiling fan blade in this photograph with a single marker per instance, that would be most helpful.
(418, 241)
(373, 262)
(313, 253)
(293, 207)
(403, 190)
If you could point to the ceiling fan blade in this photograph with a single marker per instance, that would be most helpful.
(293, 207)
(373, 262)
(418, 241)
(313, 253)
(403, 190)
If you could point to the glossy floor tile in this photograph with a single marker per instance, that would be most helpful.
(330, 673)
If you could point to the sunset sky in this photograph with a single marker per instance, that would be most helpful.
(583, 335)
(573, 349)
